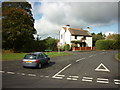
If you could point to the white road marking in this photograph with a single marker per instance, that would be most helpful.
(73, 78)
(2, 71)
(61, 76)
(105, 68)
(80, 59)
(32, 75)
(117, 81)
(91, 56)
(23, 74)
(46, 76)
(87, 79)
(10, 72)
(102, 80)
(41, 76)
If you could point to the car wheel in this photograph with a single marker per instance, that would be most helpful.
(24, 67)
(39, 65)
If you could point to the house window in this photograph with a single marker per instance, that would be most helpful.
(61, 36)
(75, 37)
(84, 37)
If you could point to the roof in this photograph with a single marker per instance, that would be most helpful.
(78, 32)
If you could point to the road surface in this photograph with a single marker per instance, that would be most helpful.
(92, 69)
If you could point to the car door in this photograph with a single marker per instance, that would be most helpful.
(45, 57)
(41, 58)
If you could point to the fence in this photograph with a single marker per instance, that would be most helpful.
(82, 48)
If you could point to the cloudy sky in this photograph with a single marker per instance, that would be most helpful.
(50, 16)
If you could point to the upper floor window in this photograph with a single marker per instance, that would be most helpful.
(75, 37)
(84, 37)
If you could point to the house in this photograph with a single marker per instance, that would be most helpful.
(75, 37)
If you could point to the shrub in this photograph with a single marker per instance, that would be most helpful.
(105, 44)
(62, 48)
(67, 47)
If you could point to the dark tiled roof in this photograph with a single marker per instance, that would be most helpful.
(79, 32)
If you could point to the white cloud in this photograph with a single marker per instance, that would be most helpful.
(77, 14)
(107, 33)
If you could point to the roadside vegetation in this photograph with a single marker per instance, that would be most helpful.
(19, 56)
(117, 56)
(111, 42)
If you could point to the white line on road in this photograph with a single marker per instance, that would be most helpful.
(91, 56)
(87, 79)
(46, 76)
(80, 59)
(117, 81)
(10, 72)
(23, 74)
(73, 78)
(41, 76)
(2, 71)
(61, 76)
(32, 75)
(102, 80)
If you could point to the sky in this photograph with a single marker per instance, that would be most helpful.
(51, 15)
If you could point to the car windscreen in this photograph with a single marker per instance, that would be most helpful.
(30, 56)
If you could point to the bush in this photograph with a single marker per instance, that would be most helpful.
(105, 44)
(67, 47)
(62, 48)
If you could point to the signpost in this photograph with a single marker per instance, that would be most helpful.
(58, 45)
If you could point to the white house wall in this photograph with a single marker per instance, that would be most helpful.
(89, 41)
(62, 40)
(78, 38)
(67, 37)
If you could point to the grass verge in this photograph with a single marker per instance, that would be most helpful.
(117, 56)
(19, 56)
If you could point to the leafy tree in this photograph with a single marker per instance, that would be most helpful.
(51, 43)
(112, 37)
(17, 25)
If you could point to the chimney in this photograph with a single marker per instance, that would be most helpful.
(67, 26)
(88, 28)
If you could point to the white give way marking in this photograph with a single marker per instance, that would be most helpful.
(61, 76)
(104, 68)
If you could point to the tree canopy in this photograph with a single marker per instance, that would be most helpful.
(17, 25)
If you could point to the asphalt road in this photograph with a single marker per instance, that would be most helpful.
(93, 69)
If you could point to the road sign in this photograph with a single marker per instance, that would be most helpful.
(102, 67)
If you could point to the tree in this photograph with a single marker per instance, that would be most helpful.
(96, 37)
(17, 25)
(51, 43)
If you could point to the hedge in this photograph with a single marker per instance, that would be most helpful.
(106, 44)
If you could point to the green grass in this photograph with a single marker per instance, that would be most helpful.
(12, 56)
(19, 56)
(54, 54)
(117, 56)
